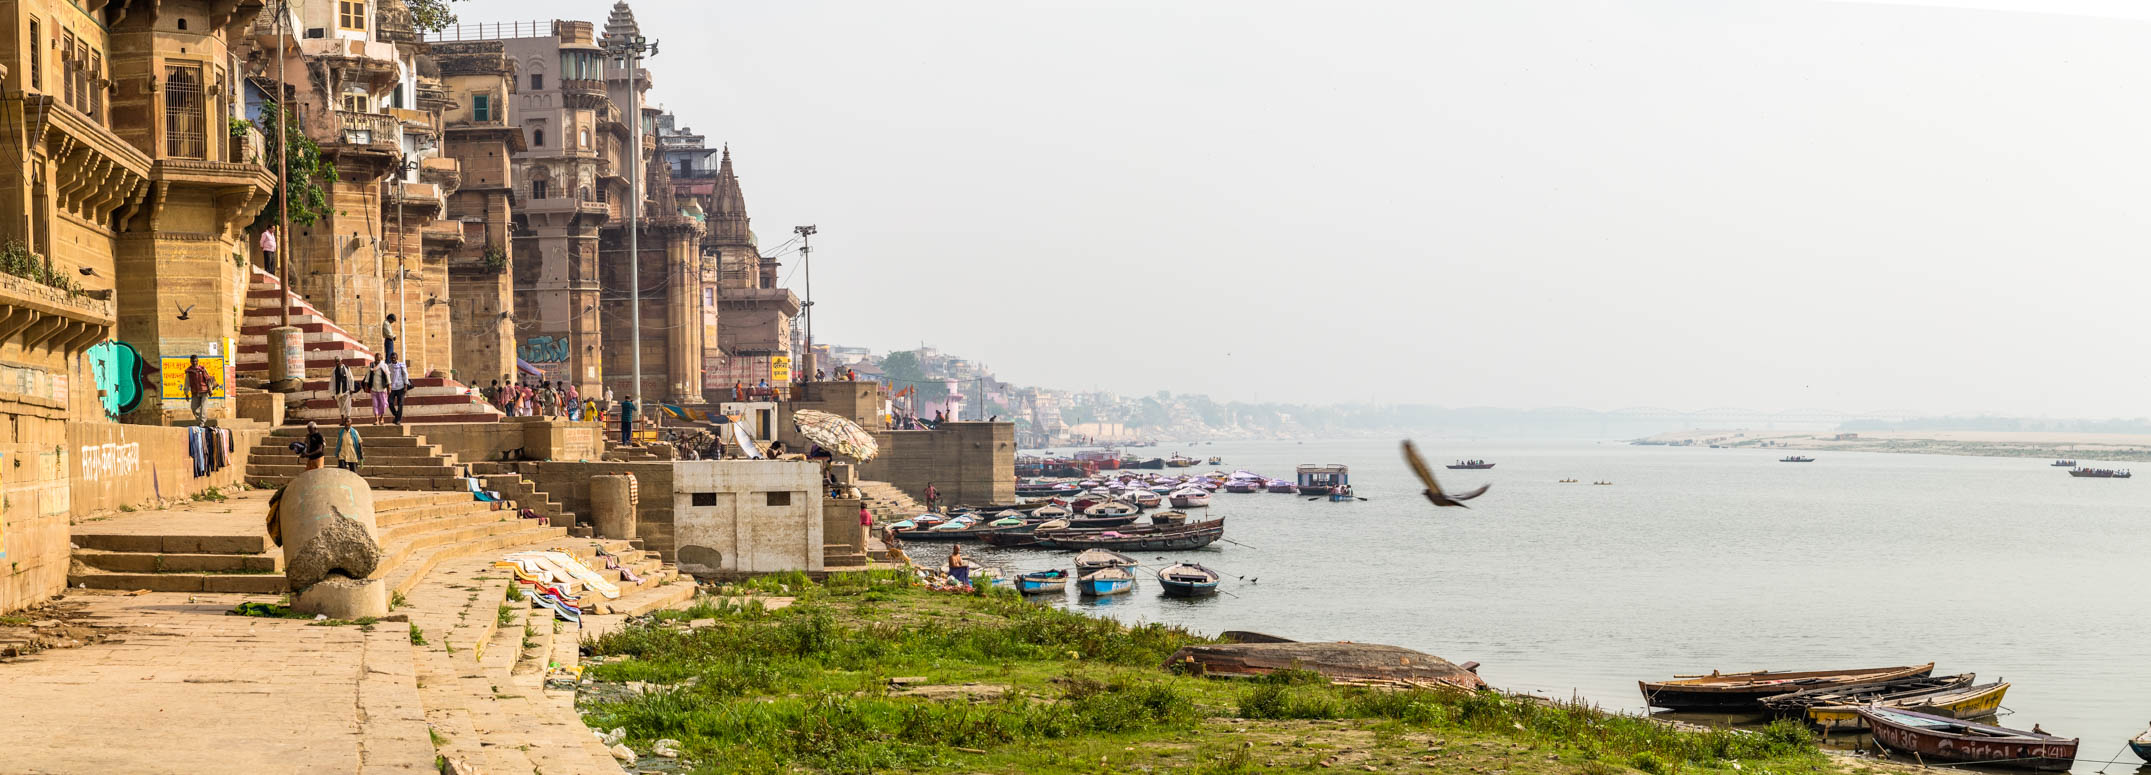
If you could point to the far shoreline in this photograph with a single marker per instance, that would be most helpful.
(2115, 447)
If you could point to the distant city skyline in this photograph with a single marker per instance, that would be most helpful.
(1760, 203)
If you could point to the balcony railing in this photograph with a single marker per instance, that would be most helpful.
(372, 130)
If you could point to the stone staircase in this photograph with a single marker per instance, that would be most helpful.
(431, 399)
(888, 504)
(417, 530)
(512, 481)
(396, 459)
(482, 670)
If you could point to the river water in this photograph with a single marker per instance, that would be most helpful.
(1695, 559)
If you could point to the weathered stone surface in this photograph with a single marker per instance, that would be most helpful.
(328, 525)
(612, 504)
(340, 597)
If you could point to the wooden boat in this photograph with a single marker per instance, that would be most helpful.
(1797, 703)
(1190, 499)
(1243, 486)
(1042, 582)
(1965, 702)
(1155, 464)
(2063, 464)
(1103, 522)
(1145, 499)
(1934, 738)
(1470, 465)
(1111, 509)
(1177, 461)
(1215, 460)
(1796, 459)
(1169, 518)
(2141, 744)
(2099, 473)
(1106, 581)
(1187, 579)
(944, 532)
(1282, 486)
(1745, 691)
(1094, 559)
(1372, 662)
(1192, 536)
(1051, 512)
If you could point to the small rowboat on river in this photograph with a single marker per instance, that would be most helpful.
(2141, 744)
(1745, 691)
(1797, 703)
(1965, 702)
(1042, 582)
(1106, 581)
(1940, 739)
(1188, 579)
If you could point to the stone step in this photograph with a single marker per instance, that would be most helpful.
(369, 469)
(413, 567)
(173, 544)
(243, 583)
(149, 562)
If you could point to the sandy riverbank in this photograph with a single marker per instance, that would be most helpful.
(2033, 444)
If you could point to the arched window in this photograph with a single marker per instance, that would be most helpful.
(586, 138)
(584, 194)
(537, 138)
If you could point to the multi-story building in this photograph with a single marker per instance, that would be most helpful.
(479, 80)
(664, 256)
(747, 318)
(356, 91)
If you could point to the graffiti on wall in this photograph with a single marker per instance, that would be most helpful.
(544, 349)
(104, 461)
(121, 376)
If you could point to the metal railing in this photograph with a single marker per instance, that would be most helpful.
(542, 28)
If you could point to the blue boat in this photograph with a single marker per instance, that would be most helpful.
(1042, 582)
(2141, 744)
(1106, 581)
(1188, 579)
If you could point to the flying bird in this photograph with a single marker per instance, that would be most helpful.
(183, 310)
(1433, 491)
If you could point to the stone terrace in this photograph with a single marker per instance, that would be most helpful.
(187, 688)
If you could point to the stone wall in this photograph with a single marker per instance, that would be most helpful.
(970, 463)
(54, 471)
(478, 442)
(746, 516)
(569, 483)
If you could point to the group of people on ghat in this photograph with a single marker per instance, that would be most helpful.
(387, 383)
(547, 399)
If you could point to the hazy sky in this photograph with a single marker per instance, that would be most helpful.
(1935, 206)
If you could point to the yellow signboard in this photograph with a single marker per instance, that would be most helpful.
(780, 369)
(175, 377)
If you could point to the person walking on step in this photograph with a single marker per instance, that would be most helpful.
(627, 420)
(312, 449)
(199, 386)
(350, 450)
(375, 383)
(399, 385)
(388, 338)
(341, 385)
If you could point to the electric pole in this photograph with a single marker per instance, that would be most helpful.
(286, 343)
(806, 257)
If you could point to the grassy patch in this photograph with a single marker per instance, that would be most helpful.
(992, 683)
(418, 636)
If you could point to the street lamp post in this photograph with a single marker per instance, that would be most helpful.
(806, 258)
(628, 51)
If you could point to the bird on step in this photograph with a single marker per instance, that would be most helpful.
(1433, 491)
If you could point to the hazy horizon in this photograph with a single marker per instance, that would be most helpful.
(1762, 203)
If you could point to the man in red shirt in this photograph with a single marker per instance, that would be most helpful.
(199, 386)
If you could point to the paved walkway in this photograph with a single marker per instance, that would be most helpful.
(189, 689)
